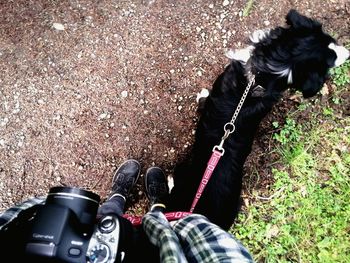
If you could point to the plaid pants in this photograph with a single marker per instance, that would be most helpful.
(192, 239)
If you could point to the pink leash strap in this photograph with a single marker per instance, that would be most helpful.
(213, 161)
(137, 220)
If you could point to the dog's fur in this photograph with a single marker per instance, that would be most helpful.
(298, 57)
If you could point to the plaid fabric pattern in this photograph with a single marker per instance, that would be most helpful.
(193, 238)
(11, 214)
(160, 234)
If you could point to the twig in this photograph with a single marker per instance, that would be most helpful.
(272, 196)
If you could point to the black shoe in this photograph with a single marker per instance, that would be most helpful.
(157, 190)
(125, 178)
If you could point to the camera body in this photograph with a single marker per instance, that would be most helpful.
(65, 229)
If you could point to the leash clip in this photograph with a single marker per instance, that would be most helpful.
(219, 148)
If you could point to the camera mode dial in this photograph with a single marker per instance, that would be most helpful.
(103, 245)
(99, 254)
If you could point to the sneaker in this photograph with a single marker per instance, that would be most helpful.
(125, 178)
(157, 190)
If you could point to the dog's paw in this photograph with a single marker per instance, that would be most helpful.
(201, 98)
(203, 94)
(259, 35)
(242, 55)
(170, 180)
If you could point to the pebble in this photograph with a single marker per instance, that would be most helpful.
(58, 26)
(4, 121)
(124, 93)
(225, 3)
(103, 115)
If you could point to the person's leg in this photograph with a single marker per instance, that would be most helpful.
(123, 181)
(155, 225)
(204, 241)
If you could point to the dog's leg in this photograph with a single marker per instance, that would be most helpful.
(241, 55)
(259, 35)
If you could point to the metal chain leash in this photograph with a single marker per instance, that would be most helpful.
(230, 127)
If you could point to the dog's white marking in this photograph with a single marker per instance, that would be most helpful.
(341, 52)
(259, 35)
(203, 94)
(287, 72)
(170, 183)
(241, 55)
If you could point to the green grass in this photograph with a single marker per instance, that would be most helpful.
(341, 75)
(304, 216)
(248, 7)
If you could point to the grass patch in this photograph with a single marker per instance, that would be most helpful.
(341, 75)
(305, 215)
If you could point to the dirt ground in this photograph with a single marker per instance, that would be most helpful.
(85, 85)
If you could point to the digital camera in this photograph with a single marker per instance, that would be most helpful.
(65, 229)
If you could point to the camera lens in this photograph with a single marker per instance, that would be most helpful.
(83, 203)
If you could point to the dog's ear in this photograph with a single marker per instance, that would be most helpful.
(296, 21)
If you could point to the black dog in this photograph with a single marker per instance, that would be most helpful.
(299, 57)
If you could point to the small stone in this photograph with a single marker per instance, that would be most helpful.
(58, 26)
(4, 121)
(211, 6)
(179, 108)
(199, 73)
(103, 115)
(124, 93)
(225, 3)
(266, 23)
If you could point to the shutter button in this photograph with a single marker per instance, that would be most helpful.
(107, 224)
